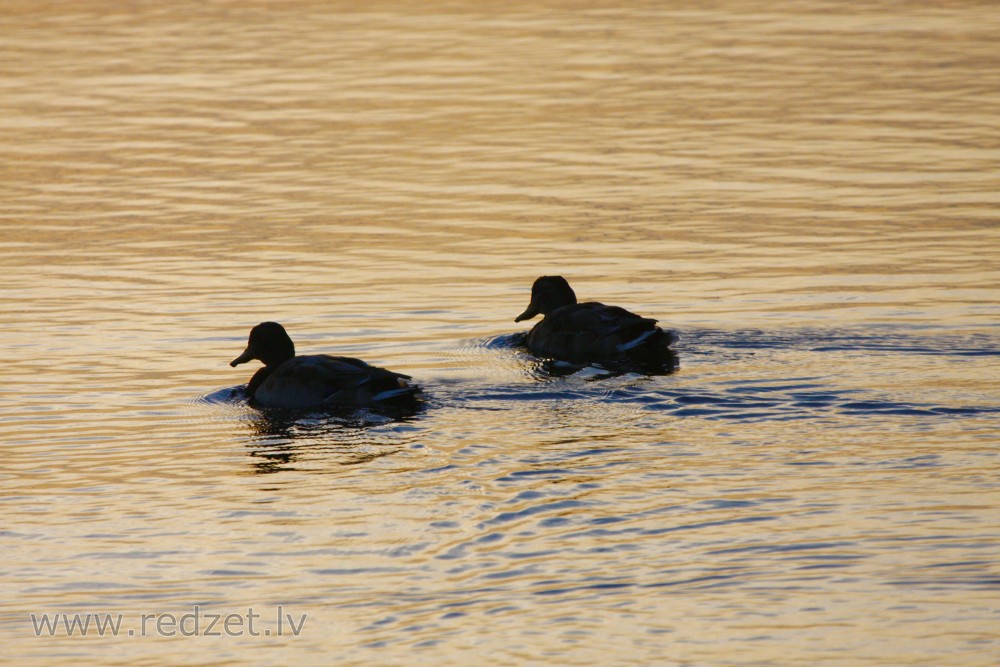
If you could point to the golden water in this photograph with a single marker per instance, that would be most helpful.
(807, 192)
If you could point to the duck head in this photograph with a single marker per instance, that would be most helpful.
(268, 342)
(547, 294)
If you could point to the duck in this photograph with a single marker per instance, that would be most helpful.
(591, 332)
(315, 380)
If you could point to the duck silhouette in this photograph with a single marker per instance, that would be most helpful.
(591, 332)
(315, 380)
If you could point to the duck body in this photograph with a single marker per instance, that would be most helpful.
(588, 332)
(592, 331)
(316, 380)
(320, 379)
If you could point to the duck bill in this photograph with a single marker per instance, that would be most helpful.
(243, 358)
(528, 313)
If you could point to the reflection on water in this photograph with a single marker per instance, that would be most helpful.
(347, 437)
(808, 194)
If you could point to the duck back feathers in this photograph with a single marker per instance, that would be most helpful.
(320, 379)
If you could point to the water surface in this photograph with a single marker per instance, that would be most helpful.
(808, 194)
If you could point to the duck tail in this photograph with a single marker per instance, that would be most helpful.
(652, 351)
(651, 338)
(637, 341)
(407, 391)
